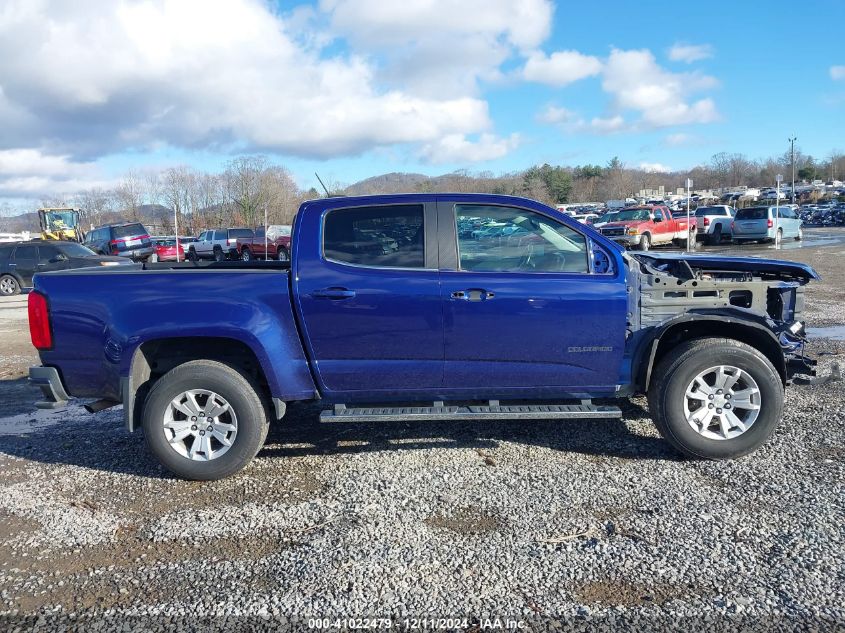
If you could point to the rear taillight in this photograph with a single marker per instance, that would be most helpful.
(706, 221)
(114, 248)
(769, 223)
(232, 241)
(39, 321)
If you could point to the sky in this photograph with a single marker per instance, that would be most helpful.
(355, 88)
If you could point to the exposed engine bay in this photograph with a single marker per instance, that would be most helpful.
(766, 293)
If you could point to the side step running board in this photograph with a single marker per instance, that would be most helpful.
(494, 411)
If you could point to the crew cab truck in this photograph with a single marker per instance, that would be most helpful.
(447, 326)
(714, 223)
(643, 227)
(275, 244)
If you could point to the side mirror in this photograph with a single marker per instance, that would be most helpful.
(657, 217)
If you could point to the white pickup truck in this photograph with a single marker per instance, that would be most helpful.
(713, 223)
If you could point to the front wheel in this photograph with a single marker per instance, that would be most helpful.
(715, 398)
(9, 286)
(645, 242)
(192, 255)
(204, 420)
(800, 235)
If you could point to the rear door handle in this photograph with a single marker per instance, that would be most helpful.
(333, 293)
(472, 294)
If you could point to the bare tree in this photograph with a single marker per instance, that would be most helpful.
(130, 194)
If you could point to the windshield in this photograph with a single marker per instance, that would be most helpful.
(76, 250)
(61, 218)
(632, 214)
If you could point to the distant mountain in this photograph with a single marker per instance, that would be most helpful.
(395, 182)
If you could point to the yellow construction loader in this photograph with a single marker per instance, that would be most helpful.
(60, 223)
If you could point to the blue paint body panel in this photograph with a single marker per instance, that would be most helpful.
(100, 318)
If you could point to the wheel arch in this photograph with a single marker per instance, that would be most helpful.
(728, 324)
(155, 357)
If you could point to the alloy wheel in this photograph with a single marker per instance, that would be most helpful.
(200, 425)
(722, 402)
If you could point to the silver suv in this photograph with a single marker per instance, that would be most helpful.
(217, 244)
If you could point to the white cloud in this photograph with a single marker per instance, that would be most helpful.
(437, 47)
(560, 68)
(30, 172)
(655, 168)
(677, 139)
(636, 82)
(690, 52)
(555, 115)
(837, 72)
(606, 125)
(105, 77)
(457, 148)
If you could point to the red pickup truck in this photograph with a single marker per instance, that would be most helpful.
(647, 226)
(277, 242)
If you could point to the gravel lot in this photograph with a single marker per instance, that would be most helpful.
(583, 524)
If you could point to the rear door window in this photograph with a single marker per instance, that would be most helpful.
(391, 236)
(25, 253)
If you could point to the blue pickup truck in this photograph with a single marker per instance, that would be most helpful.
(419, 306)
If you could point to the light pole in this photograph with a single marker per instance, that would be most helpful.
(689, 228)
(266, 254)
(792, 158)
(778, 180)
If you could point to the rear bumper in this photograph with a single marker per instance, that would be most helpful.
(50, 383)
(137, 253)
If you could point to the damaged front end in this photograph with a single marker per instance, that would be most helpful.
(762, 296)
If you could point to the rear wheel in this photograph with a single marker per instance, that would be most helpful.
(715, 398)
(800, 235)
(246, 255)
(716, 236)
(9, 286)
(218, 254)
(283, 255)
(204, 420)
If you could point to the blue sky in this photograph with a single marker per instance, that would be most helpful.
(353, 88)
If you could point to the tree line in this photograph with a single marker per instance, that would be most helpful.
(247, 185)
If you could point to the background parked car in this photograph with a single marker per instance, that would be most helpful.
(218, 244)
(130, 240)
(713, 223)
(20, 261)
(165, 249)
(763, 224)
(277, 243)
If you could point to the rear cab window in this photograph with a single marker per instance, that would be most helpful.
(236, 233)
(391, 236)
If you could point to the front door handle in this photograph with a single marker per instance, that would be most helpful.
(473, 294)
(333, 293)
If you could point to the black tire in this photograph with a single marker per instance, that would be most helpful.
(800, 235)
(241, 393)
(192, 254)
(283, 255)
(716, 236)
(676, 371)
(219, 256)
(645, 242)
(9, 286)
(246, 255)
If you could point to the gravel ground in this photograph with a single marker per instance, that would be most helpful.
(582, 525)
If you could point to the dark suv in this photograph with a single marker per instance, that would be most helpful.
(19, 261)
(127, 240)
